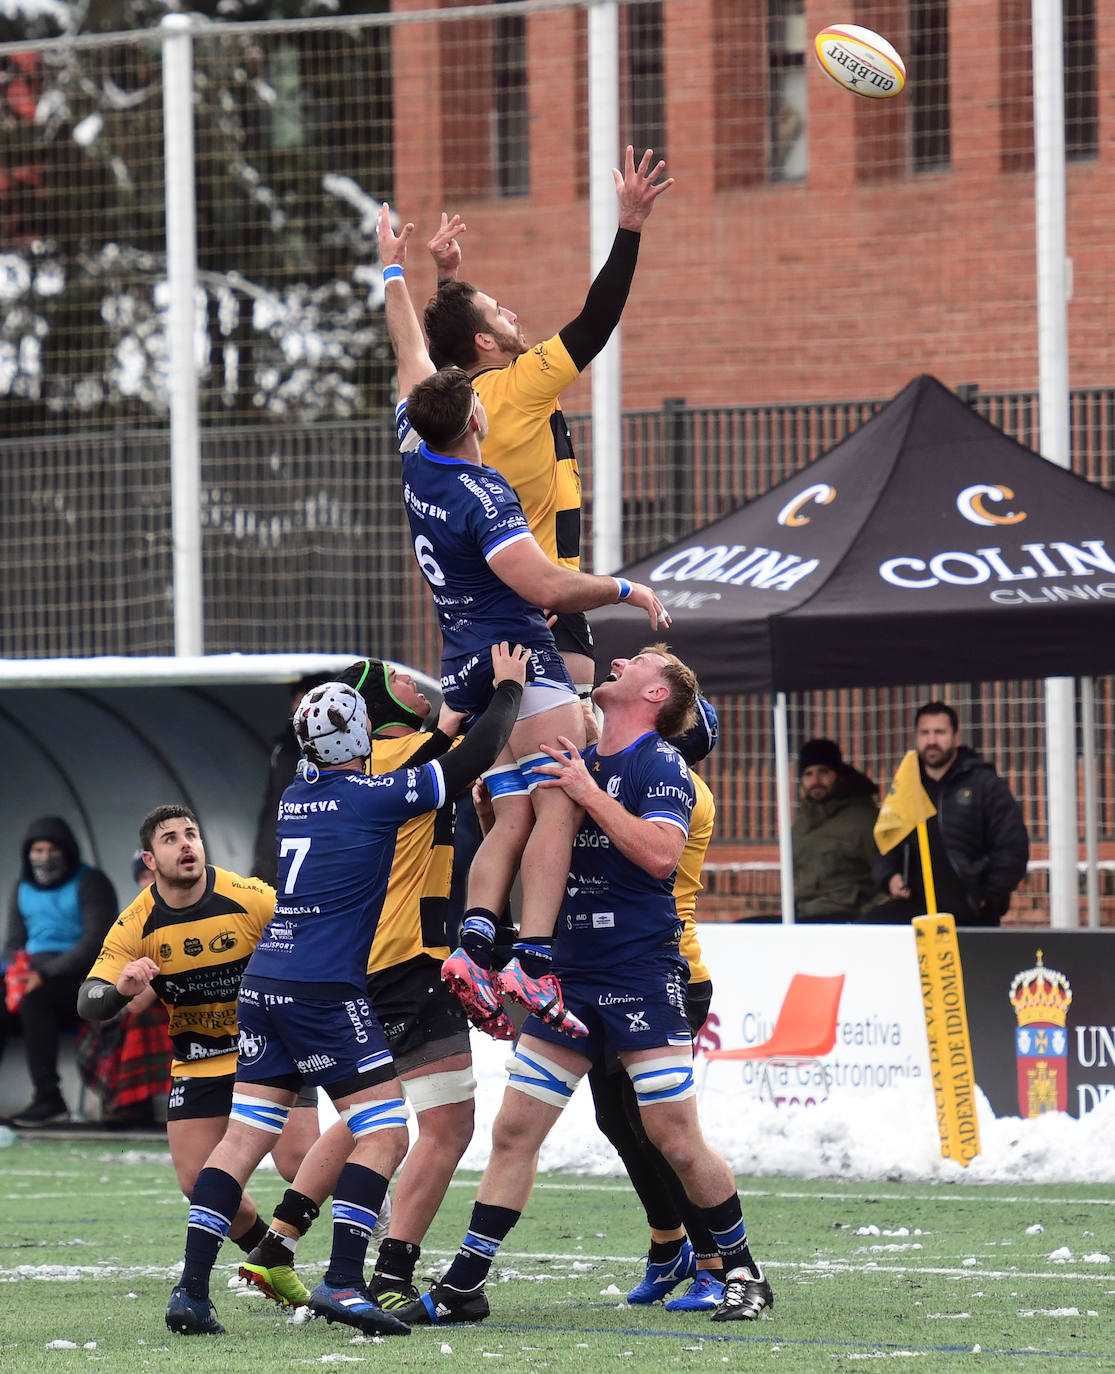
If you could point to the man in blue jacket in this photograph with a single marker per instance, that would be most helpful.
(60, 912)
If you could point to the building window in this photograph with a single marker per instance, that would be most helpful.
(1081, 93)
(510, 106)
(643, 108)
(787, 143)
(928, 72)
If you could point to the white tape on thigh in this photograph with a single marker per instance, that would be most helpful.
(540, 1077)
(365, 1118)
(259, 1112)
(662, 1080)
(440, 1089)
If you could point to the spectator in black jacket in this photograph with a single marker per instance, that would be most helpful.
(60, 912)
(978, 846)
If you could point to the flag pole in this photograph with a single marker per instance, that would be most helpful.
(926, 870)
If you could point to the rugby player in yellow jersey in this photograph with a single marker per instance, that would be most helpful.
(423, 1022)
(187, 936)
(519, 385)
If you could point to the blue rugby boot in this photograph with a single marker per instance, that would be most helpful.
(702, 1295)
(190, 1316)
(661, 1278)
(354, 1307)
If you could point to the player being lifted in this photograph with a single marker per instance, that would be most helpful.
(488, 575)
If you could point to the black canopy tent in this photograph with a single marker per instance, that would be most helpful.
(926, 546)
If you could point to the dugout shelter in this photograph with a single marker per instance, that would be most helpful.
(102, 741)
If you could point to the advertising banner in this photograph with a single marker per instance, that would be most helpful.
(1041, 1012)
(880, 1037)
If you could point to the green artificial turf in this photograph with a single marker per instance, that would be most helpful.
(936, 1277)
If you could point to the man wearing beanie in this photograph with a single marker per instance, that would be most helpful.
(833, 840)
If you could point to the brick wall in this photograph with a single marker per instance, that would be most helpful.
(846, 284)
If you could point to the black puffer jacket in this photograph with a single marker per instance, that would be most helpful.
(980, 826)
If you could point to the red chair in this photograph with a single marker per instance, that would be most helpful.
(804, 1031)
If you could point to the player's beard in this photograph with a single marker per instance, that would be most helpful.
(512, 341)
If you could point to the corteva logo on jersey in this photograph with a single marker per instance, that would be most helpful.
(1057, 559)
(735, 565)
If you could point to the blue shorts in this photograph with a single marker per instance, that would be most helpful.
(640, 1006)
(467, 683)
(337, 1045)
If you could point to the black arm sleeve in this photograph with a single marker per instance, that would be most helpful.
(480, 747)
(585, 336)
(432, 747)
(98, 1000)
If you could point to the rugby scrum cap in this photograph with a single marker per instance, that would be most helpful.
(331, 724)
(698, 741)
(369, 677)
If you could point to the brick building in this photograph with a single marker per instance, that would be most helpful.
(816, 245)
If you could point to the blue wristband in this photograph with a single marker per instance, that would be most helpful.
(392, 271)
(624, 587)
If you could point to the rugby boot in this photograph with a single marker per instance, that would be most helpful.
(278, 1282)
(746, 1293)
(702, 1295)
(661, 1278)
(542, 996)
(478, 992)
(354, 1307)
(190, 1316)
(445, 1306)
(391, 1294)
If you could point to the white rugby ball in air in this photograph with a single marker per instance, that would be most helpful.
(860, 60)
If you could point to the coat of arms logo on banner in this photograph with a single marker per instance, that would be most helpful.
(1041, 997)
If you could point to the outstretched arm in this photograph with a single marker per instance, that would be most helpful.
(638, 188)
(445, 248)
(407, 341)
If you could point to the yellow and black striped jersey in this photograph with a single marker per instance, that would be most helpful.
(201, 951)
(687, 882)
(416, 905)
(528, 442)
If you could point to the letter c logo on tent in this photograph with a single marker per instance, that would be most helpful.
(790, 514)
(970, 505)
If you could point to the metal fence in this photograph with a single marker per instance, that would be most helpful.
(305, 548)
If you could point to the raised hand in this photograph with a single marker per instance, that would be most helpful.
(392, 246)
(638, 188)
(445, 248)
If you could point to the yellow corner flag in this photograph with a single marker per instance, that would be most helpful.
(905, 807)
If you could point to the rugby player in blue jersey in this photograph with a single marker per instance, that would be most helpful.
(617, 953)
(489, 578)
(303, 1009)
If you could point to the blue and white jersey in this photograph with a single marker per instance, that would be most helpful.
(612, 909)
(336, 839)
(460, 516)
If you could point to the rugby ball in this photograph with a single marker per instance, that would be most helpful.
(860, 60)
